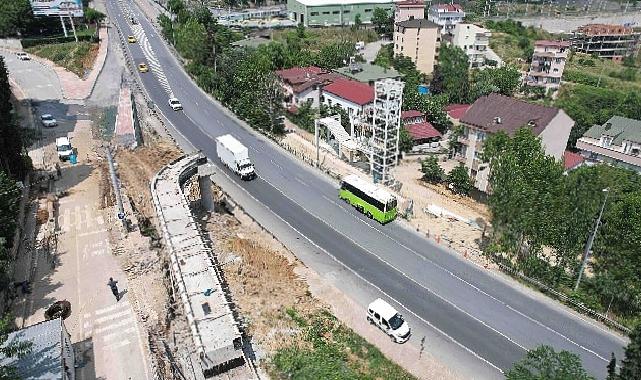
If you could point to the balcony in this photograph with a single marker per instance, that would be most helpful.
(463, 140)
(589, 146)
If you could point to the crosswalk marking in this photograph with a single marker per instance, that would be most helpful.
(80, 218)
(111, 324)
(108, 309)
(116, 325)
(111, 316)
(112, 336)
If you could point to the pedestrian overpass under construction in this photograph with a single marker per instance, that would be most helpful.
(194, 273)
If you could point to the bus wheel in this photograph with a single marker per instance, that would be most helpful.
(369, 215)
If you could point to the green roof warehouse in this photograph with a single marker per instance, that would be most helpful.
(334, 12)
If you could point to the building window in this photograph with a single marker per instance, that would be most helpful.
(314, 14)
(346, 11)
(368, 10)
(326, 12)
(606, 141)
(336, 12)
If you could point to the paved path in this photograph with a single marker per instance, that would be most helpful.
(36, 80)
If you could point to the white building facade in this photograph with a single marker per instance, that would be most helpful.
(474, 41)
(446, 16)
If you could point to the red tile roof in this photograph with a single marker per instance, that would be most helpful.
(351, 90)
(496, 112)
(571, 160)
(411, 4)
(420, 131)
(410, 113)
(552, 43)
(456, 111)
(449, 7)
(302, 78)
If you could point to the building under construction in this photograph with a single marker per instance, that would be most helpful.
(606, 41)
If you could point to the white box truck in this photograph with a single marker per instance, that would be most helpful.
(235, 156)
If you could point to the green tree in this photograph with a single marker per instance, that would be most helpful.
(334, 55)
(432, 171)
(10, 349)
(526, 187)
(166, 27)
(191, 41)
(543, 363)
(631, 363)
(16, 17)
(459, 181)
(405, 141)
(305, 116)
(13, 158)
(612, 368)
(383, 22)
(504, 80)
(451, 74)
(176, 6)
(357, 21)
(93, 16)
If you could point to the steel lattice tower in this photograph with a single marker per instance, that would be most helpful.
(386, 128)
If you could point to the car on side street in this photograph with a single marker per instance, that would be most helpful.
(63, 146)
(175, 105)
(48, 120)
(22, 56)
(143, 68)
(131, 39)
(383, 315)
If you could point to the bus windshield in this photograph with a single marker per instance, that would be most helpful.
(391, 205)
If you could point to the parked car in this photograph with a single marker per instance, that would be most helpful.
(131, 39)
(22, 56)
(143, 68)
(383, 315)
(48, 120)
(63, 146)
(175, 104)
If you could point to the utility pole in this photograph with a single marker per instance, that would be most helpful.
(588, 246)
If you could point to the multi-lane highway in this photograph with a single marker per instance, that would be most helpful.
(482, 320)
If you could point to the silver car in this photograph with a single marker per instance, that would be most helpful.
(48, 120)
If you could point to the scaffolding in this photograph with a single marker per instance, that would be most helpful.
(386, 124)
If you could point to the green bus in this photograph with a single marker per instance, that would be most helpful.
(371, 200)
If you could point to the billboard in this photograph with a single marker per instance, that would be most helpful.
(57, 7)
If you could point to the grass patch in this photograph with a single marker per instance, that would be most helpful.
(585, 69)
(316, 38)
(77, 57)
(327, 349)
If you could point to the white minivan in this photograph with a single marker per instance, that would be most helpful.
(63, 146)
(383, 315)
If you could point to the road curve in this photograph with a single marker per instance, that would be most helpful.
(480, 312)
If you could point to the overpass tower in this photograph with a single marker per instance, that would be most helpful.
(386, 126)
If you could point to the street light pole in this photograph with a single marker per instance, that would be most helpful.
(588, 246)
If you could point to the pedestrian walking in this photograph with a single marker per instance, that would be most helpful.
(58, 170)
(114, 288)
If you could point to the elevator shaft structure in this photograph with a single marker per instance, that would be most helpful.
(386, 125)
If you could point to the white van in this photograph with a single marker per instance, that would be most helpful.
(383, 315)
(63, 146)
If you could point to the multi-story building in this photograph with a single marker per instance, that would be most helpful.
(409, 10)
(303, 84)
(493, 113)
(617, 142)
(474, 41)
(331, 12)
(446, 16)
(418, 39)
(607, 41)
(352, 96)
(548, 62)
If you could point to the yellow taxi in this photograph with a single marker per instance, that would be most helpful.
(131, 39)
(143, 68)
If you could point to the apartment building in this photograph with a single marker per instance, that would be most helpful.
(607, 41)
(474, 41)
(617, 142)
(493, 113)
(446, 16)
(409, 10)
(418, 39)
(548, 62)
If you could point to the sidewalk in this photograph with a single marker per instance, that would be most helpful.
(104, 330)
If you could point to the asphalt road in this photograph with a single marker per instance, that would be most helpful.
(491, 319)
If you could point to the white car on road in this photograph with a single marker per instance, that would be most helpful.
(383, 315)
(48, 120)
(23, 56)
(175, 104)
